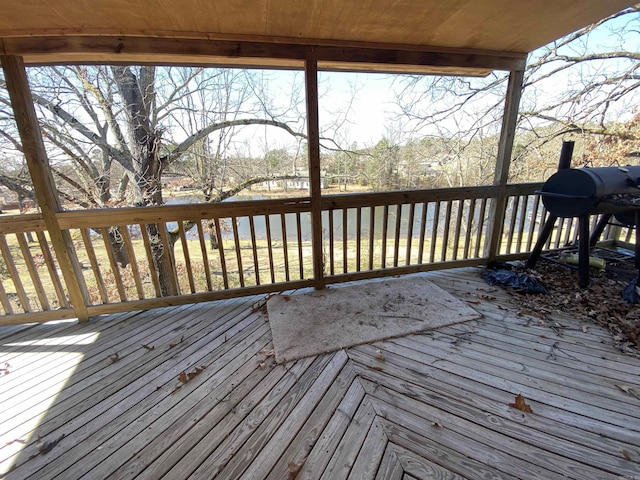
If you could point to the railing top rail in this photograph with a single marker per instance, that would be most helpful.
(168, 213)
(33, 222)
(121, 216)
(406, 196)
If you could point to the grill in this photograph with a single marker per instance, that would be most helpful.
(588, 191)
(581, 192)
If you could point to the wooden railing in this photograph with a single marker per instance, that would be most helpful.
(140, 258)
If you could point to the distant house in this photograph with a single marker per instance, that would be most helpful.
(177, 183)
(299, 183)
(8, 199)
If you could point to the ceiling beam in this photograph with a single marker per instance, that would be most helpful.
(114, 49)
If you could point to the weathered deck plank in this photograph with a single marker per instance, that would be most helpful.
(437, 406)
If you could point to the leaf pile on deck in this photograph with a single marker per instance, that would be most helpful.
(600, 303)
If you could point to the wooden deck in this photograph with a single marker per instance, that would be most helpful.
(433, 405)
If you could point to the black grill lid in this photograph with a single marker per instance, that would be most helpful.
(573, 192)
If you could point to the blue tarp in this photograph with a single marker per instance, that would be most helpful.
(520, 282)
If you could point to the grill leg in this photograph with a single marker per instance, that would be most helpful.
(595, 235)
(583, 251)
(547, 228)
(637, 252)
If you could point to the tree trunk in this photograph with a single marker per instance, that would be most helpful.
(138, 95)
(119, 249)
(163, 260)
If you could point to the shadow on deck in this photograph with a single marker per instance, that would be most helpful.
(192, 392)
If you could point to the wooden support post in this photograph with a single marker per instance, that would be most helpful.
(43, 184)
(313, 141)
(509, 119)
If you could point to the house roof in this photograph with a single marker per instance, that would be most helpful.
(133, 30)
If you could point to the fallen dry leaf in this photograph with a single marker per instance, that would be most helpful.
(148, 347)
(520, 404)
(171, 345)
(184, 377)
(379, 355)
(628, 390)
(436, 424)
(626, 455)
(114, 358)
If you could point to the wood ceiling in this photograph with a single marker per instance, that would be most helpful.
(130, 30)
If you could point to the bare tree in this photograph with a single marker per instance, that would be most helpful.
(112, 131)
(580, 85)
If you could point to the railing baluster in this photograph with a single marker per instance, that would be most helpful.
(456, 237)
(168, 257)
(445, 235)
(630, 235)
(114, 265)
(532, 222)
(372, 230)
(358, 237)
(559, 232)
(205, 257)
(523, 217)
(515, 202)
(223, 262)
(13, 273)
(423, 230)
(267, 223)
(95, 267)
(153, 272)
(254, 249)
(299, 235)
(124, 229)
(285, 249)
(469, 228)
(236, 242)
(33, 273)
(412, 212)
(4, 300)
(385, 226)
(571, 227)
(544, 220)
(345, 224)
(434, 233)
(481, 225)
(187, 257)
(396, 239)
(331, 262)
(53, 274)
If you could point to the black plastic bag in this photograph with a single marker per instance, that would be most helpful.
(630, 294)
(520, 282)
